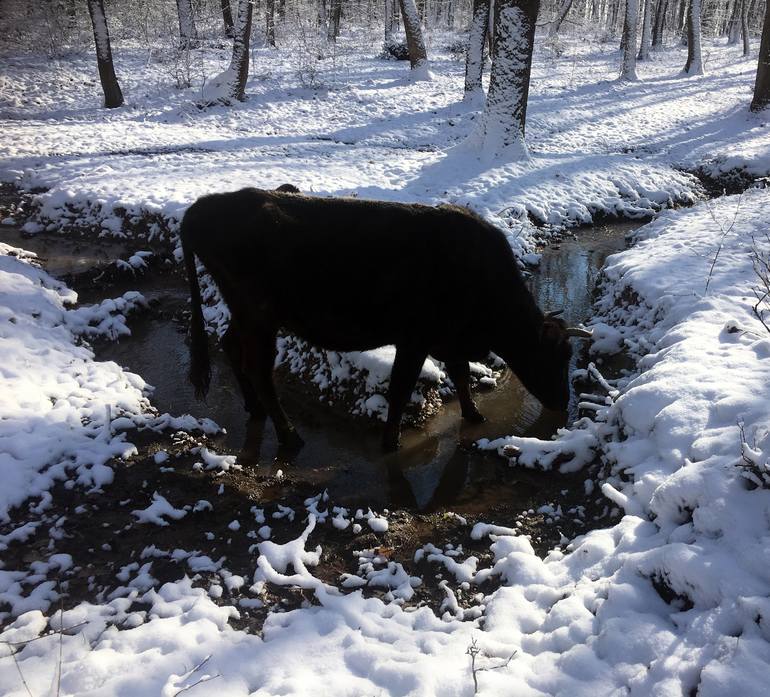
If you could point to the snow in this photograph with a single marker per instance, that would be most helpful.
(671, 599)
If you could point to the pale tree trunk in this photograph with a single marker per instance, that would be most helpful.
(418, 56)
(762, 84)
(391, 21)
(321, 9)
(505, 113)
(334, 20)
(628, 68)
(239, 63)
(660, 25)
(113, 97)
(491, 29)
(745, 27)
(734, 24)
(564, 9)
(188, 35)
(227, 18)
(644, 46)
(474, 59)
(694, 65)
(270, 22)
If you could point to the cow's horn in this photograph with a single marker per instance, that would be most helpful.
(579, 332)
(554, 313)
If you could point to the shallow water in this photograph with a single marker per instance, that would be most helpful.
(435, 468)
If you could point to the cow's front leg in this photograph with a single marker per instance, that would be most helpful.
(460, 374)
(258, 346)
(403, 377)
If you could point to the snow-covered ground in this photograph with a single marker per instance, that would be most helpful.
(671, 599)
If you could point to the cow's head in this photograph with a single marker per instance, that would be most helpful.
(542, 365)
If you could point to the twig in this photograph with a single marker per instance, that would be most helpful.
(21, 675)
(44, 636)
(722, 238)
(473, 650)
(202, 679)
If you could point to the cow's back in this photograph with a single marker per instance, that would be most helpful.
(354, 274)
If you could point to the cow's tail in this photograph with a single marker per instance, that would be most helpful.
(200, 365)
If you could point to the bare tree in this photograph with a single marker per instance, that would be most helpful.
(646, 43)
(227, 18)
(113, 97)
(230, 85)
(188, 34)
(270, 22)
(694, 65)
(418, 56)
(474, 58)
(505, 113)
(391, 20)
(628, 67)
(762, 84)
(561, 15)
(745, 27)
(734, 24)
(334, 19)
(660, 25)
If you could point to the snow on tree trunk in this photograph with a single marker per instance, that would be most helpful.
(564, 9)
(113, 97)
(694, 65)
(505, 113)
(391, 23)
(745, 27)
(230, 85)
(734, 24)
(227, 18)
(660, 25)
(188, 35)
(762, 84)
(628, 68)
(418, 57)
(474, 58)
(270, 22)
(644, 46)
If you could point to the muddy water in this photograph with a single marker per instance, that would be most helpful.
(435, 468)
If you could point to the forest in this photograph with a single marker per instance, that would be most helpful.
(384, 347)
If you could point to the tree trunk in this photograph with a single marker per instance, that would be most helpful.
(505, 114)
(270, 22)
(644, 46)
(227, 18)
(113, 97)
(628, 68)
(239, 63)
(745, 27)
(734, 24)
(418, 57)
(187, 32)
(762, 84)
(660, 25)
(391, 20)
(334, 20)
(491, 28)
(564, 9)
(474, 58)
(694, 65)
(281, 10)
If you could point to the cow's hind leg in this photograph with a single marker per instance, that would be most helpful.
(403, 377)
(259, 351)
(460, 374)
(231, 345)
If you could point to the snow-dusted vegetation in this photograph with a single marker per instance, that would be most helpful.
(144, 553)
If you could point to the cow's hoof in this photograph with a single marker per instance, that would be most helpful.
(474, 417)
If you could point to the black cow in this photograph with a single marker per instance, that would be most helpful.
(348, 274)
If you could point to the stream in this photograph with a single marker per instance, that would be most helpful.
(435, 469)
